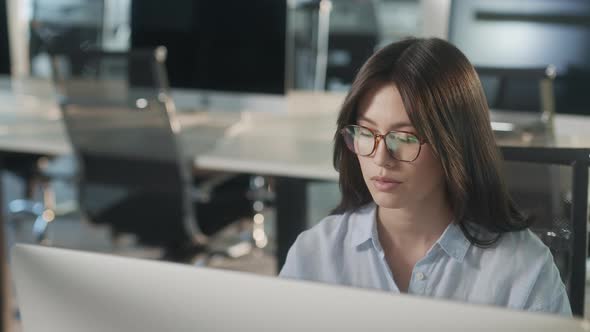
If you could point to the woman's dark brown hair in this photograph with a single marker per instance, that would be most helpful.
(444, 99)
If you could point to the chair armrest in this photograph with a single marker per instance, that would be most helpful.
(202, 192)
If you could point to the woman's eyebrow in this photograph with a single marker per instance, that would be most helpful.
(396, 125)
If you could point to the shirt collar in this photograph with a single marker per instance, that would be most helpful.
(364, 224)
(364, 228)
(454, 242)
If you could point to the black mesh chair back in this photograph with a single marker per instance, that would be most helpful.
(121, 123)
(520, 89)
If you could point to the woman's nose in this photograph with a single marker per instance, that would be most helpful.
(381, 156)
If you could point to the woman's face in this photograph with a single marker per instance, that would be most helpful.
(396, 184)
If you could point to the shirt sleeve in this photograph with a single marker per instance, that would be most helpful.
(303, 257)
(548, 293)
(291, 267)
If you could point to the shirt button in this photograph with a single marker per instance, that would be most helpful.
(420, 276)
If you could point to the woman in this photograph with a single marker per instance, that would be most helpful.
(424, 208)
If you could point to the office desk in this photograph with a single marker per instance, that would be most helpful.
(296, 147)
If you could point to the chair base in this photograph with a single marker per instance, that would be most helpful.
(42, 214)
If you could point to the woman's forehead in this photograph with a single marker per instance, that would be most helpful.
(382, 105)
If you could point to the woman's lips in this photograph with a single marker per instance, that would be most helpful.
(385, 184)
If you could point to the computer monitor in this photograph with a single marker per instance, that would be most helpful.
(66, 291)
(222, 49)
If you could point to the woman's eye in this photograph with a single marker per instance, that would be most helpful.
(407, 139)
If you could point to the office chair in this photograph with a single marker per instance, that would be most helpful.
(37, 172)
(39, 200)
(520, 89)
(572, 90)
(134, 175)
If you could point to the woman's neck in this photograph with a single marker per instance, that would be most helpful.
(421, 224)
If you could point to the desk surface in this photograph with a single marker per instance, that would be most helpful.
(296, 143)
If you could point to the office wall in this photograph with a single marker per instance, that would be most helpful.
(4, 49)
(524, 33)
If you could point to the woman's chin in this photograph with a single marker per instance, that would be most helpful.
(388, 201)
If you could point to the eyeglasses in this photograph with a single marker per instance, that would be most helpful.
(401, 145)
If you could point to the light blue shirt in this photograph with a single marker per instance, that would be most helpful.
(518, 272)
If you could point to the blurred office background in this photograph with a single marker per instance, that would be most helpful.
(236, 55)
(219, 53)
(308, 40)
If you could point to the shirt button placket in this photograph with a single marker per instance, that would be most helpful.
(418, 283)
